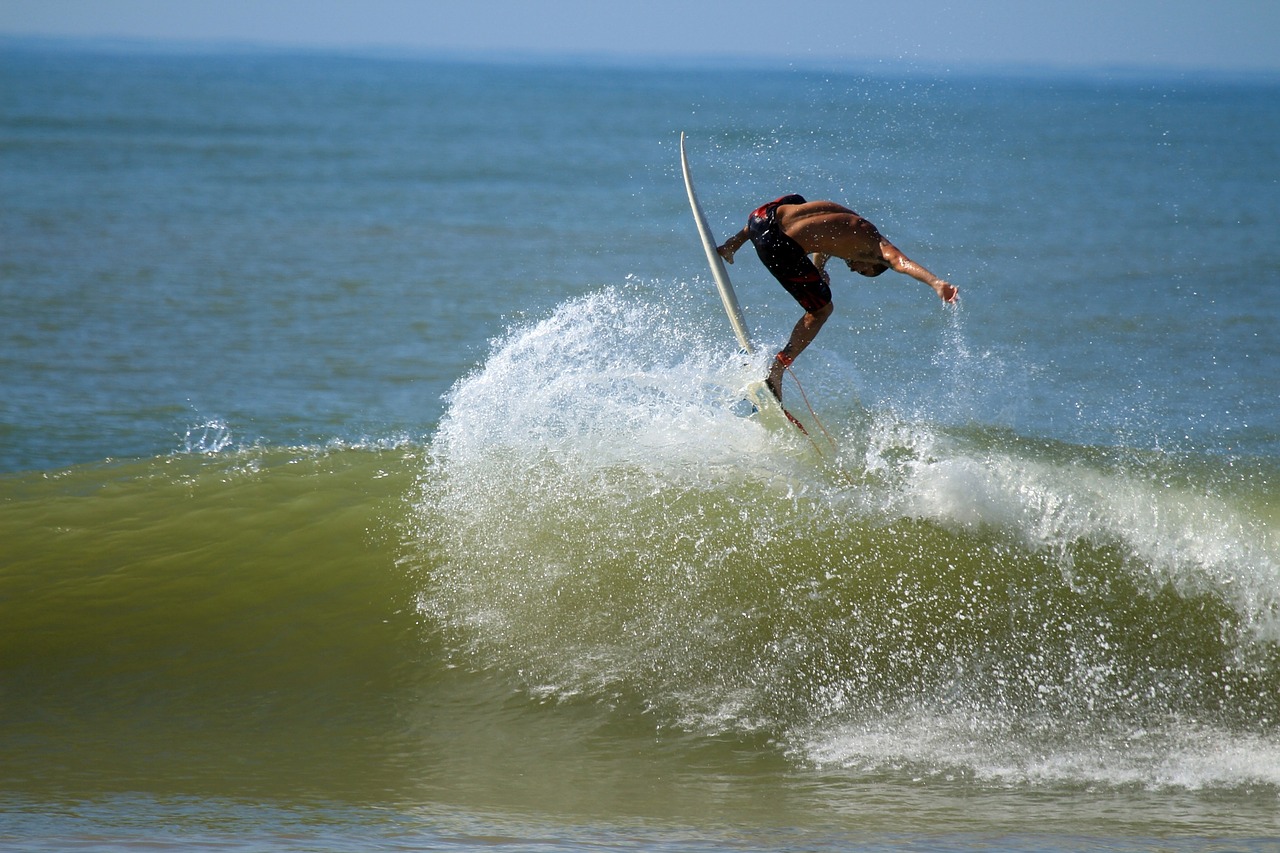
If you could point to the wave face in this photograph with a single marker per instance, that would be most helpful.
(597, 520)
(219, 619)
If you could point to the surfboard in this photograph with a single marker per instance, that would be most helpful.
(718, 271)
(756, 392)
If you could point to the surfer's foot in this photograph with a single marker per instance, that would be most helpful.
(774, 383)
(781, 362)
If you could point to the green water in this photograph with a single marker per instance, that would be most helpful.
(266, 627)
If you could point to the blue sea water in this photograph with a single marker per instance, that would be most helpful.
(371, 475)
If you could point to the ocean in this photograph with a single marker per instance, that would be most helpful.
(373, 474)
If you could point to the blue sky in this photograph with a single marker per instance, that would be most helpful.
(1215, 35)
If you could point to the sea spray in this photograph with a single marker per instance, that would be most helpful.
(600, 523)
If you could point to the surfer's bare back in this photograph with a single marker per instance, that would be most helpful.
(785, 232)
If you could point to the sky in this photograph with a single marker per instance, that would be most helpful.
(1186, 35)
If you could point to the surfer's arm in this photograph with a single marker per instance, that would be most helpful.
(901, 263)
(732, 245)
(819, 260)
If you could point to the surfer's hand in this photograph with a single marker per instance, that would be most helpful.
(947, 291)
(726, 253)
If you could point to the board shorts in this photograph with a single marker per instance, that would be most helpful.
(784, 257)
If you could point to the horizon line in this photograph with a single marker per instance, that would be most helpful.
(907, 66)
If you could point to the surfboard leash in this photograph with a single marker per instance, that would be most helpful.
(804, 396)
(834, 463)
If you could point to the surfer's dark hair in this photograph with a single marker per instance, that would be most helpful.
(880, 266)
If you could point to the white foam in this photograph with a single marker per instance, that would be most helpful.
(609, 382)
(1181, 754)
(1196, 541)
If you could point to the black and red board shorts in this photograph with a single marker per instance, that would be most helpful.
(784, 257)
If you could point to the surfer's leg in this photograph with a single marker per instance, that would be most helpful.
(801, 336)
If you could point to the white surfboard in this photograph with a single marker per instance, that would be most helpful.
(718, 272)
(757, 392)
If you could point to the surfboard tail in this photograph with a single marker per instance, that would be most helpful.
(769, 407)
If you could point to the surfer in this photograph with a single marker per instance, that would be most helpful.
(785, 232)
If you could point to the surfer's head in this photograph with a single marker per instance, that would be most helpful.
(870, 269)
